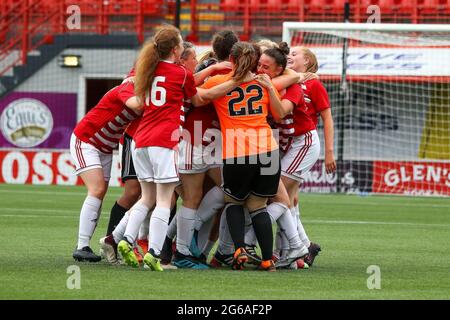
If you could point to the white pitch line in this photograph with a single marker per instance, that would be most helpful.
(118, 191)
(75, 215)
(377, 223)
(59, 193)
(364, 202)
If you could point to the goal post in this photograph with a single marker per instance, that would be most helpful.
(395, 135)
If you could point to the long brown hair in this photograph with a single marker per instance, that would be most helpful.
(244, 59)
(158, 47)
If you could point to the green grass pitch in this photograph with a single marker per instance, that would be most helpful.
(408, 238)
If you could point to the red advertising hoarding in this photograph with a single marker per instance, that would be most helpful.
(411, 178)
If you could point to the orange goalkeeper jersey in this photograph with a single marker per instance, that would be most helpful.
(242, 114)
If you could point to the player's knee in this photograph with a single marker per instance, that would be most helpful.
(98, 191)
(284, 199)
(131, 194)
(192, 198)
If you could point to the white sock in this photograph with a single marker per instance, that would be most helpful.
(289, 229)
(301, 231)
(119, 231)
(226, 244)
(250, 236)
(211, 203)
(207, 248)
(159, 223)
(138, 213)
(172, 230)
(278, 242)
(143, 229)
(185, 229)
(275, 210)
(203, 233)
(89, 215)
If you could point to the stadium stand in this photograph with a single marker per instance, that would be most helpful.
(28, 24)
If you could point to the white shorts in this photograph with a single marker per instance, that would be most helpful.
(155, 164)
(198, 159)
(87, 157)
(301, 156)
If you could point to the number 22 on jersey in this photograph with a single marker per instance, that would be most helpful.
(253, 105)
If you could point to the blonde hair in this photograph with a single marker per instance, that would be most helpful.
(159, 47)
(267, 44)
(313, 64)
(205, 55)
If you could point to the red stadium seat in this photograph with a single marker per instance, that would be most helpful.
(272, 5)
(230, 5)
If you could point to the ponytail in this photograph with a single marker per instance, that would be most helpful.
(160, 47)
(145, 68)
(244, 58)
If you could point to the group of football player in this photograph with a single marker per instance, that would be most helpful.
(227, 136)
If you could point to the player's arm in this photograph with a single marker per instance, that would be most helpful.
(290, 77)
(135, 104)
(279, 108)
(328, 130)
(200, 77)
(205, 96)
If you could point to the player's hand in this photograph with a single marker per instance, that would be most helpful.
(224, 65)
(264, 80)
(330, 163)
(308, 76)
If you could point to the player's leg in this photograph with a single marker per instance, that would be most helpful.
(294, 165)
(166, 178)
(94, 168)
(138, 213)
(210, 205)
(131, 189)
(192, 194)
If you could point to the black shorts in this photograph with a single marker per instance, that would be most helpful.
(258, 175)
(128, 171)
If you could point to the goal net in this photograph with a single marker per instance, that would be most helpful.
(390, 104)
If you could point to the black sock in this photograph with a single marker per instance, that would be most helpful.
(117, 213)
(263, 231)
(172, 213)
(236, 224)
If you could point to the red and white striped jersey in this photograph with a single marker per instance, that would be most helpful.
(104, 124)
(316, 98)
(298, 122)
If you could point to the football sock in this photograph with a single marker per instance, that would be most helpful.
(89, 215)
(158, 228)
(116, 215)
(211, 203)
(119, 231)
(185, 229)
(226, 245)
(137, 213)
(295, 211)
(263, 230)
(143, 229)
(236, 223)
